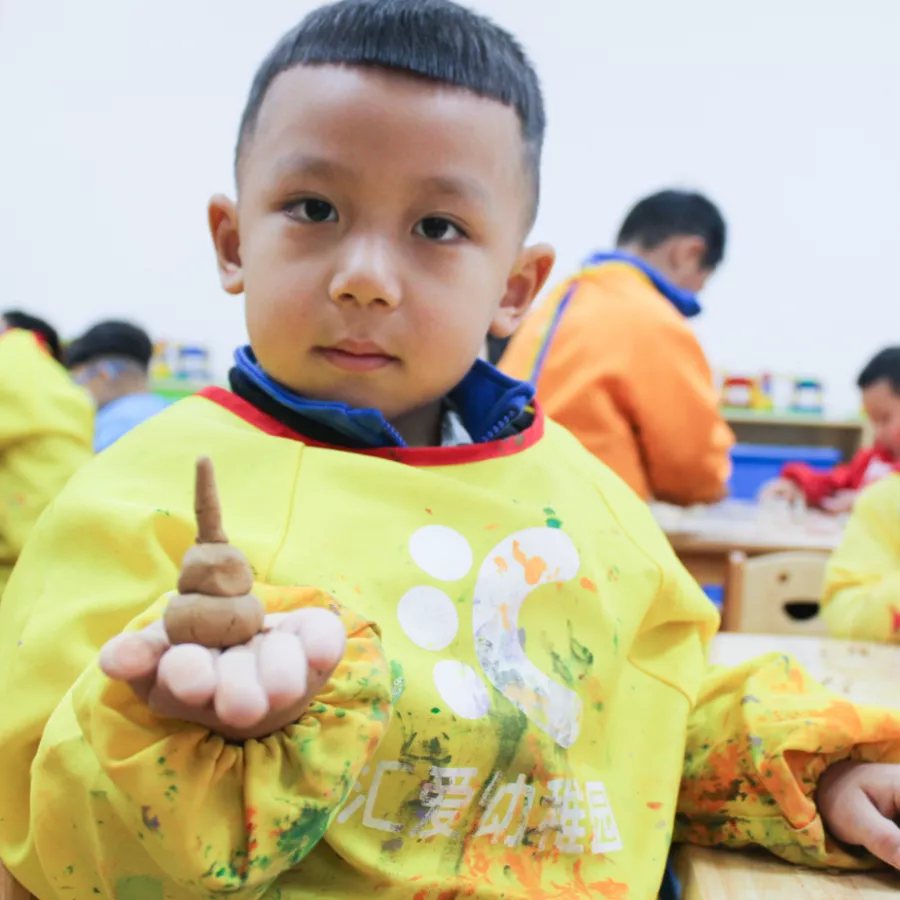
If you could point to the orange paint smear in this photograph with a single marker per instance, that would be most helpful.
(589, 585)
(501, 564)
(534, 566)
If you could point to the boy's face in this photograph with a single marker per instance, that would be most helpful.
(882, 407)
(378, 235)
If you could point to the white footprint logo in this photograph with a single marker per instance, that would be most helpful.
(509, 573)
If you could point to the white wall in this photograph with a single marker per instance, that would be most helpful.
(117, 121)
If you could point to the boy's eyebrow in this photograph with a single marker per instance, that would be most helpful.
(456, 187)
(304, 164)
(451, 186)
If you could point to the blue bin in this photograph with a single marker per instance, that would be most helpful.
(716, 594)
(755, 464)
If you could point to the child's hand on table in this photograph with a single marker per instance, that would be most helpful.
(839, 503)
(859, 802)
(241, 693)
(780, 490)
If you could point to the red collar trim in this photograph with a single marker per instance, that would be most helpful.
(35, 336)
(410, 456)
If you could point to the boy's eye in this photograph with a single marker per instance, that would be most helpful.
(312, 210)
(435, 228)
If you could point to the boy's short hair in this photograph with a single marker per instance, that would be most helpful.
(672, 213)
(111, 340)
(15, 318)
(884, 366)
(435, 40)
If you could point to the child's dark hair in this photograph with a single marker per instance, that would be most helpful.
(15, 318)
(884, 366)
(433, 39)
(671, 213)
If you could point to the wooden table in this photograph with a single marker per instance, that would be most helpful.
(723, 875)
(865, 673)
(703, 537)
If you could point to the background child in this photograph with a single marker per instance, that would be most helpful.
(45, 429)
(861, 600)
(836, 491)
(419, 728)
(616, 363)
(111, 360)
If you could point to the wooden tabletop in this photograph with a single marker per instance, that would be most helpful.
(722, 875)
(865, 673)
(733, 525)
(862, 672)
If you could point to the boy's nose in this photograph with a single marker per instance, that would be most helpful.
(365, 276)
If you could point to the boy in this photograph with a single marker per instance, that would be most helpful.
(45, 429)
(477, 746)
(836, 491)
(615, 361)
(861, 599)
(111, 361)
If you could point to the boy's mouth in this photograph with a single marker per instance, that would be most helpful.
(357, 356)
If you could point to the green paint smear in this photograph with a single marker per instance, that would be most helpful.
(579, 651)
(398, 681)
(303, 834)
(561, 670)
(139, 887)
(554, 523)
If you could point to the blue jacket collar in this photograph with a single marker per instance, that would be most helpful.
(684, 301)
(487, 401)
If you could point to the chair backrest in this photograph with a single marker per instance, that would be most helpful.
(10, 889)
(777, 593)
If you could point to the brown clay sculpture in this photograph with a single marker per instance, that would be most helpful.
(214, 606)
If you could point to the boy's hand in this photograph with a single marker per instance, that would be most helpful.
(841, 502)
(858, 803)
(780, 489)
(245, 692)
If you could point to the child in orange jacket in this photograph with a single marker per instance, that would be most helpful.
(614, 360)
(835, 491)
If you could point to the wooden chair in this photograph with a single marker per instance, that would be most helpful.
(777, 593)
(10, 889)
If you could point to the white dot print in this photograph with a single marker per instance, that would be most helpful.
(441, 552)
(461, 689)
(514, 568)
(428, 617)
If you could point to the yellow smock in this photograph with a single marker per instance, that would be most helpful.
(861, 600)
(46, 429)
(536, 710)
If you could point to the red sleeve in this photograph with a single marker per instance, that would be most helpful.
(818, 486)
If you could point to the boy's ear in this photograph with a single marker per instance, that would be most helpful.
(688, 252)
(223, 226)
(529, 275)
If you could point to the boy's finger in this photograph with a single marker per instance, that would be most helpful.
(282, 665)
(880, 836)
(188, 672)
(322, 634)
(240, 701)
(134, 655)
